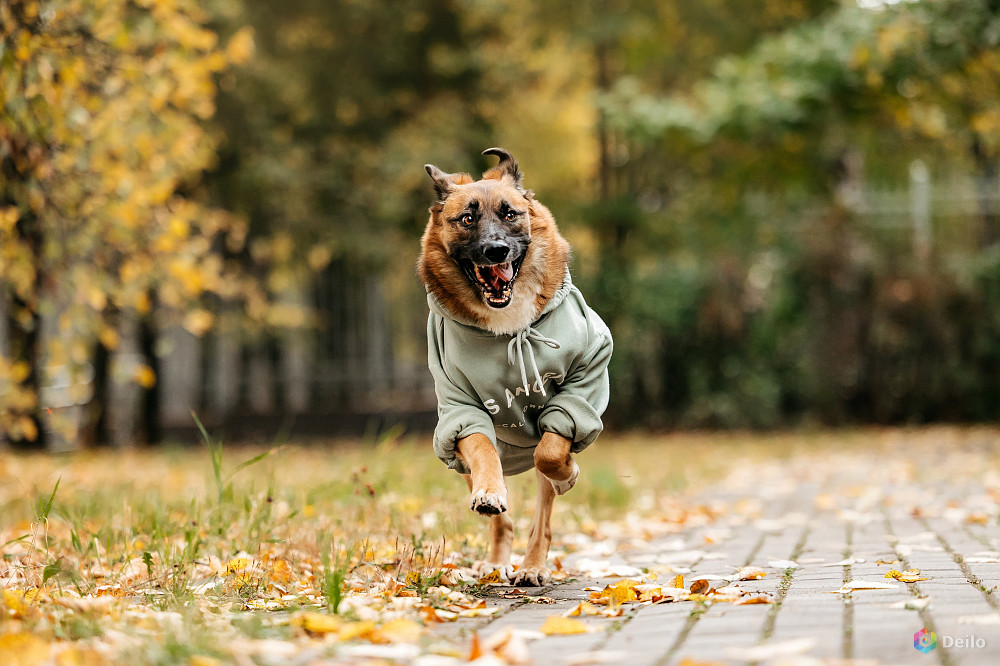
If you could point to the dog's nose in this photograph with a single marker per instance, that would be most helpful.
(496, 252)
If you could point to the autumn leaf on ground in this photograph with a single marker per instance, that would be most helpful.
(317, 623)
(617, 593)
(750, 573)
(397, 631)
(752, 599)
(492, 578)
(558, 625)
(851, 586)
(701, 586)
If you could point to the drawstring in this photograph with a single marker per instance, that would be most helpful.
(518, 342)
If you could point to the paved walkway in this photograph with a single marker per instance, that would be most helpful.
(840, 517)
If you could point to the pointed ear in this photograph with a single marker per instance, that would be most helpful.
(506, 167)
(442, 181)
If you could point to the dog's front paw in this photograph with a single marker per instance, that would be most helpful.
(488, 503)
(482, 568)
(562, 487)
(532, 577)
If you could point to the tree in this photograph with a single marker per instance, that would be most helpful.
(102, 111)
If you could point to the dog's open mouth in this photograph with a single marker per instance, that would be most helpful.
(496, 281)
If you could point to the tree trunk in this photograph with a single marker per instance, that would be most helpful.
(24, 321)
(150, 428)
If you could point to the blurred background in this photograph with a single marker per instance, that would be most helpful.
(787, 211)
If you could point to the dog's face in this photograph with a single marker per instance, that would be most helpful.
(491, 253)
(487, 231)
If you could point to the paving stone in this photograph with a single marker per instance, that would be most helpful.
(818, 508)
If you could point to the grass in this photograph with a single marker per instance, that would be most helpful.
(166, 556)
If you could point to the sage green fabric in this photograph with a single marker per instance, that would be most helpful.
(552, 376)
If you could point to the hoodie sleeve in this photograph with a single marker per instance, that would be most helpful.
(460, 413)
(575, 411)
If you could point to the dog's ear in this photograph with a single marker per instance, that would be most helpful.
(506, 167)
(443, 182)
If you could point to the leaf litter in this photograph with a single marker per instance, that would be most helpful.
(349, 569)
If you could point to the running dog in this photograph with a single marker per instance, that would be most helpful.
(520, 361)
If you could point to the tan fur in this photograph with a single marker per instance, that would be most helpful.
(540, 276)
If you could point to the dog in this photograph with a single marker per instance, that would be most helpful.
(519, 360)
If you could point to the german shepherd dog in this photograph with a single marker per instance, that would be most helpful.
(496, 271)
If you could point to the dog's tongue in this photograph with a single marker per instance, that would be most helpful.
(501, 273)
(504, 271)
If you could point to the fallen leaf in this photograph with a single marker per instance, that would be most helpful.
(354, 630)
(557, 625)
(618, 593)
(492, 578)
(583, 608)
(397, 631)
(750, 573)
(701, 586)
(853, 585)
(317, 623)
(475, 648)
(752, 599)
(22, 649)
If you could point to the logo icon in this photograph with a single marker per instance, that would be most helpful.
(924, 640)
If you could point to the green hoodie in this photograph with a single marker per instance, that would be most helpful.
(552, 376)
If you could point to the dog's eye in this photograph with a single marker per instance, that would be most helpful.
(466, 220)
(511, 216)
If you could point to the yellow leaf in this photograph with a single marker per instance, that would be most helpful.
(22, 649)
(620, 592)
(679, 581)
(318, 623)
(492, 578)
(202, 660)
(556, 625)
(356, 630)
(237, 564)
(893, 573)
(584, 608)
(397, 631)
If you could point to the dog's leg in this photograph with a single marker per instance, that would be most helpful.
(501, 536)
(533, 570)
(489, 492)
(553, 460)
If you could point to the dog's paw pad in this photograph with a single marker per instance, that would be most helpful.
(532, 577)
(488, 503)
(505, 571)
(562, 487)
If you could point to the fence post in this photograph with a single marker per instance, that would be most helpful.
(920, 209)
